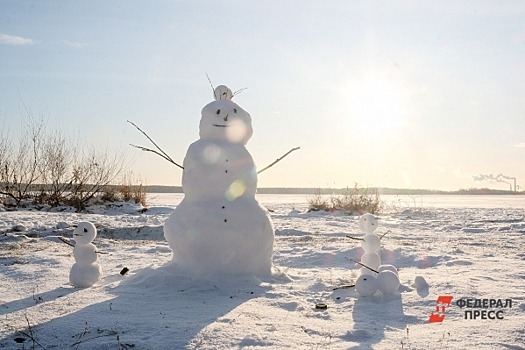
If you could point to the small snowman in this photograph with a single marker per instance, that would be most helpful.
(219, 227)
(374, 276)
(85, 272)
(371, 243)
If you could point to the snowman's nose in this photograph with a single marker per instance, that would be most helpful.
(225, 118)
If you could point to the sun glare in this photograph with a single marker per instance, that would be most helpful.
(376, 108)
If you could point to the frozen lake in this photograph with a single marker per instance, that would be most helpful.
(300, 201)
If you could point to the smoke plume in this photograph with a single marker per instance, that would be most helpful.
(497, 178)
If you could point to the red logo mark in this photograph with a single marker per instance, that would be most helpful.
(441, 303)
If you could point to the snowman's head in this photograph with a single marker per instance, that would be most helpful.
(224, 120)
(84, 233)
(367, 223)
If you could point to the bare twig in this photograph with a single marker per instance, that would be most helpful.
(79, 338)
(356, 238)
(384, 234)
(368, 267)
(157, 153)
(65, 241)
(239, 91)
(161, 153)
(211, 84)
(31, 335)
(278, 159)
(346, 286)
(70, 244)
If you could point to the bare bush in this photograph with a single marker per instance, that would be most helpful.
(92, 173)
(47, 168)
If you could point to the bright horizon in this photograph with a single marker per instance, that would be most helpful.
(384, 94)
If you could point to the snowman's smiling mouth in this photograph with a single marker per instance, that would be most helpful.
(220, 125)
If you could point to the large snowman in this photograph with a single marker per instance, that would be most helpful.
(219, 227)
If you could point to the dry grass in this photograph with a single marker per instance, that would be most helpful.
(354, 200)
(127, 190)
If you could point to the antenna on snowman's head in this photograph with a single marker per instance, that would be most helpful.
(239, 91)
(211, 84)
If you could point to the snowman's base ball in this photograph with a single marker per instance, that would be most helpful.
(388, 268)
(388, 282)
(84, 276)
(366, 285)
(208, 240)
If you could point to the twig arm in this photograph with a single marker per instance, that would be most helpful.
(65, 241)
(356, 238)
(160, 152)
(278, 159)
(346, 286)
(157, 153)
(384, 234)
(368, 267)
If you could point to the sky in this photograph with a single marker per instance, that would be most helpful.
(404, 94)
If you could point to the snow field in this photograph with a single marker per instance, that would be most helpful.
(153, 307)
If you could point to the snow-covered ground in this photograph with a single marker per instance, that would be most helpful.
(465, 247)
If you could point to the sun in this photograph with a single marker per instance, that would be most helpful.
(376, 107)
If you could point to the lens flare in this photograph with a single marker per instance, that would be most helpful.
(237, 131)
(211, 154)
(236, 190)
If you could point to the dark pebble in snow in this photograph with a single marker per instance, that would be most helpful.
(19, 228)
(321, 306)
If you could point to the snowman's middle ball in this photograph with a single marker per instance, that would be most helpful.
(372, 260)
(371, 243)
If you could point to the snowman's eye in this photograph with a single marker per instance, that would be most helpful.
(85, 230)
(235, 110)
(218, 111)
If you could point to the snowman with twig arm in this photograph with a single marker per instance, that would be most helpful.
(85, 272)
(219, 227)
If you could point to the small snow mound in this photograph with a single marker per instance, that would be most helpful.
(421, 284)
(62, 209)
(62, 225)
(16, 238)
(126, 207)
(159, 210)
